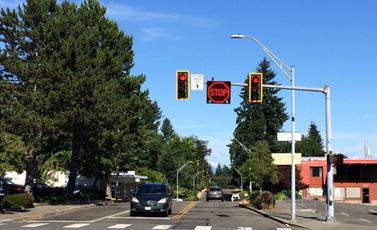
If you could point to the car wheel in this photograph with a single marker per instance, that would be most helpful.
(165, 214)
(132, 213)
(170, 211)
(207, 200)
(222, 200)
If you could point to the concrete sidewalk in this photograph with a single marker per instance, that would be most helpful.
(41, 210)
(305, 218)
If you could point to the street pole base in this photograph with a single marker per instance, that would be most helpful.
(330, 219)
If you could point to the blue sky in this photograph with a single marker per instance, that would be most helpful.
(330, 42)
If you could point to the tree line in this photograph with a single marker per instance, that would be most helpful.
(68, 100)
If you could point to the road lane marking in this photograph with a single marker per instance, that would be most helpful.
(109, 216)
(371, 210)
(185, 210)
(283, 229)
(57, 221)
(345, 214)
(244, 228)
(34, 225)
(120, 226)
(368, 221)
(75, 225)
(140, 217)
(161, 227)
(202, 228)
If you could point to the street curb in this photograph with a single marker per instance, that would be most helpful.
(44, 214)
(265, 214)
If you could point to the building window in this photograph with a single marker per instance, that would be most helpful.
(316, 171)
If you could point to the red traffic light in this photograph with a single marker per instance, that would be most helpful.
(255, 87)
(183, 84)
(256, 79)
(182, 77)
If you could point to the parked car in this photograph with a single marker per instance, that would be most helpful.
(42, 189)
(215, 193)
(7, 187)
(151, 198)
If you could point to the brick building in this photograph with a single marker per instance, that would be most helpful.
(355, 181)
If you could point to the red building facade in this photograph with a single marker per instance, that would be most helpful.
(355, 181)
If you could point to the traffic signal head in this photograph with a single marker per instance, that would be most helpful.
(255, 87)
(183, 84)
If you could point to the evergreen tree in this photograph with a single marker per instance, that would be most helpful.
(167, 129)
(312, 145)
(12, 153)
(66, 84)
(257, 122)
(218, 171)
(23, 69)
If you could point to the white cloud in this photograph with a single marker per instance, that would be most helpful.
(125, 12)
(150, 34)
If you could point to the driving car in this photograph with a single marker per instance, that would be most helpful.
(215, 193)
(151, 198)
(7, 187)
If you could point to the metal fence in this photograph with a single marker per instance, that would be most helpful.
(317, 205)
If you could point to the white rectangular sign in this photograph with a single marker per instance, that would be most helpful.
(288, 136)
(197, 81)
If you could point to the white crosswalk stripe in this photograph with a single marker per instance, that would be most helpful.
(244, 228)
(120, 226)
(75, 225)
(202, 228)
(161, 227)
(126, 226)
(34, 225)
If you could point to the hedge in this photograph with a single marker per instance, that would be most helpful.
(18, 201)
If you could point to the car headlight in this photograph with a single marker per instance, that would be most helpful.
(135, 200)
(162, 201)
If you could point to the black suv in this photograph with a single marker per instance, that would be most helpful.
(151, 198)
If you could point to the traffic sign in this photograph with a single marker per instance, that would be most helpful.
(288, 136)
(218, 92)
(197, 81)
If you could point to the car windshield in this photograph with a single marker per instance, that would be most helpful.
(214, 189)
(151, 189)
(8, 181)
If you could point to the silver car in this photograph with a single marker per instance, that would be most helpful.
(215, 193)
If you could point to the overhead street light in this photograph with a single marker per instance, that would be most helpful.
(179, 170)
(285, 69)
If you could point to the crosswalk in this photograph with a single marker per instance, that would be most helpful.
(117, 226)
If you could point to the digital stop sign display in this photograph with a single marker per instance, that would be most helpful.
(218, 92)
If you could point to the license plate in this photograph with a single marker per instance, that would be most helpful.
(147, 208)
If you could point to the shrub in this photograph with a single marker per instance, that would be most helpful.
(264, 200)
(18, 201)
(281, 196)
(244, 195)
(54, 200)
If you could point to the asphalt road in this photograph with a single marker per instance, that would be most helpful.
(202, 215)
(358, 214)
